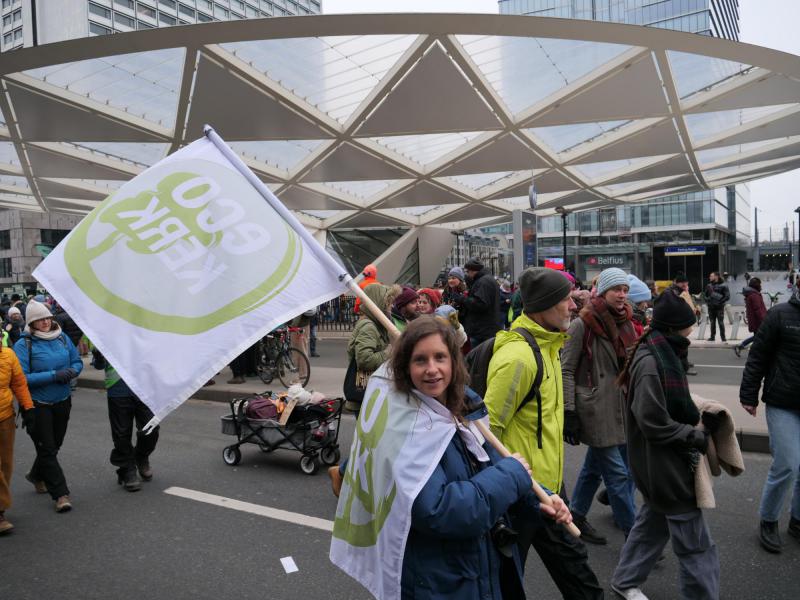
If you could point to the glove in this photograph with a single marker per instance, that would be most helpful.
(711, 421)
(29, 420)
(98, 360)
(65, 375)
(457, 301)
(572, 428)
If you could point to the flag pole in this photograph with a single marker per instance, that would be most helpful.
(325, 258)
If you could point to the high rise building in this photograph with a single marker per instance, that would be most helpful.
(25, 236)
(35, 22)
(694, 232)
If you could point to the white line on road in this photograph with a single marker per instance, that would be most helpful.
(289, 565)
(256, 509)
(721, 366)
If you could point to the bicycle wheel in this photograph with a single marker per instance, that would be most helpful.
(293, 367)
(265, 372)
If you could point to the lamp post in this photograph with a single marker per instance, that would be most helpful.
(797, 210)
(564, 214)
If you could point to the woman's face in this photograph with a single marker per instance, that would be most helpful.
(42, 324)
(453, 282)
(424, 306)
(431, 368)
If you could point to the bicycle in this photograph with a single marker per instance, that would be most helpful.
(277, 358)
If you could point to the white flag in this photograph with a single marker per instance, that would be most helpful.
(399, 442)
(182, 269)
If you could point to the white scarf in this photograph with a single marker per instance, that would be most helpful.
(55, 332)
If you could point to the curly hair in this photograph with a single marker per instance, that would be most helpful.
(403, 349)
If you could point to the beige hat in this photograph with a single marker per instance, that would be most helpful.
(35, 311)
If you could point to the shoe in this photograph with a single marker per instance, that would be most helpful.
(633, 593)
(63, 504)
(769, 537)
(711, 339)
(691, 372)
(130, 481)
(314, 355)
(353, 407)
(588, 533)
(5, 524)
(602, 497)
(738, 351)
(794, 528)
(41, 488)
(145, 471)
(724, 341)
(336, 479)
(236, 380)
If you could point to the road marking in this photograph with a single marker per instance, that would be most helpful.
(721, 366)
(288, 564)
(256, 509)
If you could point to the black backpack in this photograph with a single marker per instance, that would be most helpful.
(478, 367)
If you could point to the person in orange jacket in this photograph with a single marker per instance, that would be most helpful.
(12, 383)
(370, 274)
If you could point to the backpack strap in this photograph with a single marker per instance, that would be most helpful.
(537, 381)
(29, 344)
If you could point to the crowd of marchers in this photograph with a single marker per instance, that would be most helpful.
(602, 365)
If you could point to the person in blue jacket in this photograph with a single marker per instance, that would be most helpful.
(460, 544)
(50, 361)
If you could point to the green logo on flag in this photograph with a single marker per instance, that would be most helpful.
(188, 226)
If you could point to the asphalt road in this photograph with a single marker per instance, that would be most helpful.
(152, 544)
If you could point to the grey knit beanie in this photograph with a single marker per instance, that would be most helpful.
(610, 278)
(542, 288)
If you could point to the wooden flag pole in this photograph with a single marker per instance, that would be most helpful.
(394, 333)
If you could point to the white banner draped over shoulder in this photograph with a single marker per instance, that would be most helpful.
(181, 270)
(399, 441)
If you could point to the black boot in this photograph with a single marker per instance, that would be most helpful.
(129, 480)
(769, 536)
(794, 528)
(588, 533)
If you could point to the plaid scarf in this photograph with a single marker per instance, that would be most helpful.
(613, 325)
(669, 350)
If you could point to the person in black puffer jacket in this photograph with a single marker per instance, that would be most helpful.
(775, 359)
(481, 307)
(68, 326)
(717, 296)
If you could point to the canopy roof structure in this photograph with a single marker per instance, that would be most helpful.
(406, 119)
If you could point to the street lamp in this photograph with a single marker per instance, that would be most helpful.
(564, 214)
(797, 210)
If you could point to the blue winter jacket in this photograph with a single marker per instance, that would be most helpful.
(47, 357)
(449, 552)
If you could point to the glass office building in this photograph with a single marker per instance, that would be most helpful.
(31, 22)
(643, 237)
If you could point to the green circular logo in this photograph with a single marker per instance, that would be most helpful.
(190, 235)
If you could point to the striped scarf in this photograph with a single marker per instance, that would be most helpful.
(668, 351)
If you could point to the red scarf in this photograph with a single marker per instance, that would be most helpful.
(613, 325)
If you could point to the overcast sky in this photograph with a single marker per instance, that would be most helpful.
(771, 23)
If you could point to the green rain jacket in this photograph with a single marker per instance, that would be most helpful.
(511, 374)
(369, 342)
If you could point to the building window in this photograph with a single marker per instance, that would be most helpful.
(166, 19)
(8, 38)
(5, 268)
(186, 10)
(205, 5)
(6, 3)
(98, 29)
(145, 11)
(120, 19)
(168, 3)
(53, 237)
(18, 34)
(220, 11)
(6, 20)
(5, 240)
(18, 16)
(96, 9)
(125, 3)
(203, 18)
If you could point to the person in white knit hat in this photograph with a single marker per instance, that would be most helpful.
(50, 361)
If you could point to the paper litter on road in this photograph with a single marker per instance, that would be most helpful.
(289, 565)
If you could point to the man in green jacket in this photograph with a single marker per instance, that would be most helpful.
(546, 314)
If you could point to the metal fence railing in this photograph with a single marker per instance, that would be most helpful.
(337, 314)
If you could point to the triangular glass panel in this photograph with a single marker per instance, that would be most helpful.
(145, 84)
(281, 154)
(320, 214)
(145, 153)
(712, 155)
(750, 168)
(478, 180)
(415, 211)
(332, 73)
(361, 189)
(695, 72)
(18, 184)
(562, 138)
(705, 125)
(8, 200)
(525, 70)
(428, 147)
(597, 170)
(8, 155)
